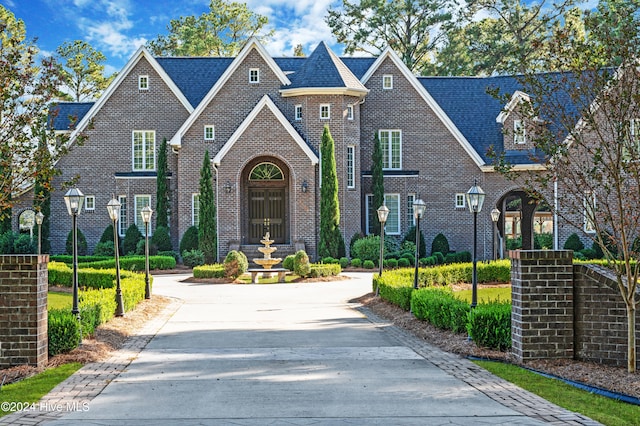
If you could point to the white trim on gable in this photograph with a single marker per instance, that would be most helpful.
(268, 103)
(517, 97)
(176, 140)
(142, 52)
(444, 118)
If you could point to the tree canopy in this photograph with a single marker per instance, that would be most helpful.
(220, 32)
(82, 70)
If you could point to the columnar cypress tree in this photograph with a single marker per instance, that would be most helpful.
(42, 195)
(207, 232)
(330, 235)
(162, 203)
(377, 176)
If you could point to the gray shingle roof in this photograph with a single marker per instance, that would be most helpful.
(65, 114)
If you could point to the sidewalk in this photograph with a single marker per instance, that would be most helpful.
(283, 354)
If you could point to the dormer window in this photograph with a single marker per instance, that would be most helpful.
(325, 111)
(519, 132)
(143, 82)
(209, 133)
(298, 112)
(387, 82)
(254, 75)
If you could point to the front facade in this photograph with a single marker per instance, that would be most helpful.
(261, 120)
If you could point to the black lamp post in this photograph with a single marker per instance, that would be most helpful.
(495, 216)
(113, 207)
(419, 208)
(146, 213)
(74, 199)
(475, 198)
(39, 220)
(383, 213)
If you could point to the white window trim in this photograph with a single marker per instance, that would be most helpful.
(351, 169)
(213, 132)
(143, 82)
(390, 150)
(137, 220)
(297, 109)
(350, 112)
(458, 196)
(589, 229)
(387, 78)
(387, 231)
(193, 208)
(143, 169)
(519, 133)
(252, 72)
(123, 220)
(411, 218)
(89, 199)
(328, 106)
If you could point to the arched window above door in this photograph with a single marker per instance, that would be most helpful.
(266, 171)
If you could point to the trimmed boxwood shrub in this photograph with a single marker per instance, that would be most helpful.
(391, 263)
(131, 238)
(440, 244)
(209, 271)
(356, 263)
(344, 262)
(133, 263)
(63, 330)
(573, 243)
(438, 306)
(287, 263)
(367, 248)
(329, 260)
(403, 262)
(301, 265)
(235, 264)
(193, 258)
(104, 249)
(395, 287)
(354, 238)
(324, 270)
(368, 264)
(489, 325)
(189, 239)
(161, 239)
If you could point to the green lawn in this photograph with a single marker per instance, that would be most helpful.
(604, 410)
(19, 396)
(58, 300)
(486, 295)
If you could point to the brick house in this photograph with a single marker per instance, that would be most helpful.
(261, 120)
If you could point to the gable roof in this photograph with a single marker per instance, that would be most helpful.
(252, 44)
(388, 53)
(265, 102)
(324, 72)
(67, 114)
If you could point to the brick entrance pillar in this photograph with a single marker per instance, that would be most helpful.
(23, 310)
(542, 304)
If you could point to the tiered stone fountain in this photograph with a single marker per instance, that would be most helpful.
(267, 262)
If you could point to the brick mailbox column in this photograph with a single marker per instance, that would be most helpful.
(23, 310)
(542, 304)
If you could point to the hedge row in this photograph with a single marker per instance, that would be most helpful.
(325, 270)
(133, 263)
(96, 307)
(209, 271)
(61, 274)
(439, 307)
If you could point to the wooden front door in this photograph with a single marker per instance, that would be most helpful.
(267, 214)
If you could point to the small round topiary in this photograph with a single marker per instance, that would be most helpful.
(573, 243)
(368, 264)
(301, 265)
(287, 263)
(235, 264)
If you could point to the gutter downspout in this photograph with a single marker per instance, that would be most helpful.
(555, 213)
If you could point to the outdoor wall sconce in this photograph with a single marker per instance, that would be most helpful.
(305, 186)
(227, 187)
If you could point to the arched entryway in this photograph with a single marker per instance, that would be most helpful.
(521, 217)
(266, 200)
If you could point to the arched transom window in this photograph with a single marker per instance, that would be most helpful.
(266, 171)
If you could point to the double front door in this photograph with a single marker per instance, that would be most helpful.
(267, 213)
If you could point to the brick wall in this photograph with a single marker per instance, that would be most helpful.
(23, 310)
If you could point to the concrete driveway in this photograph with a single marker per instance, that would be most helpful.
(297, 354)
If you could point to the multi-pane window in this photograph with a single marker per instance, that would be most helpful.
(123, 220)
(392, 225)
(143, 82)
(351, 182)
(195, 209)
(90, 202)
(209, 133)
(144, 150)
(589, 212)
(349, 112)
(325, 111)
(519, 132)
(298, 113)
(391, 143)
(411, 220)
(387, 81)
(254, 75)
(141, 201)
(460, 201)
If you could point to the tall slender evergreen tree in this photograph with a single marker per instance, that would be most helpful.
(162, 194)
(330, 235)
(377, 176)
(42, 194)
(207, 232)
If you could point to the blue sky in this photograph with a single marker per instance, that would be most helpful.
(118, 27)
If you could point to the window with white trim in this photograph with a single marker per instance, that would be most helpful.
(391, 143)
(349, 112)
(209, 133)
(195, 209)
(298, 112)
(89, 202)
(123, 219)
(144, 150)
(325, 111)
(519, 132)
(589, 212)
(141, 201)
(351, 177)
(392, 225)
(461, 200)
(254, 75)
(387, 82)
(411, 219)
(143, 82)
